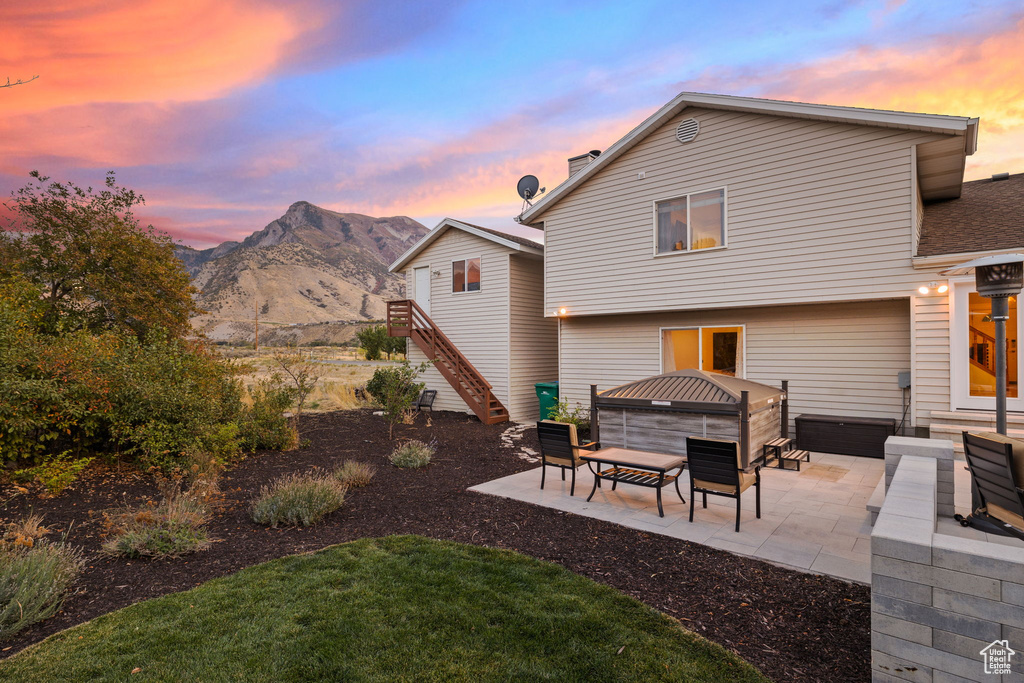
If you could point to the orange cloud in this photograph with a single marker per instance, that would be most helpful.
(961, 75)
(140, 50)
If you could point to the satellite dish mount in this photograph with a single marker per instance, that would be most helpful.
(528, 188)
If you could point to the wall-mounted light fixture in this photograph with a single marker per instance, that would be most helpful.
(925, 290)
(437, 273)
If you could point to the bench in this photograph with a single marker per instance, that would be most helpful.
(640, 468)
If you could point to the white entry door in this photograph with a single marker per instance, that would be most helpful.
(421, 288)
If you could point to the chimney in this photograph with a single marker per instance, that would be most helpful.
(577, 164)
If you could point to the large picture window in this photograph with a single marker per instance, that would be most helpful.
(466, 275)
(692, 222)
(714, 349)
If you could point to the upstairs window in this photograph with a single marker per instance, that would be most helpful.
(466, 275)
(689, 223)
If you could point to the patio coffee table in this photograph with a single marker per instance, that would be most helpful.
(635, 467)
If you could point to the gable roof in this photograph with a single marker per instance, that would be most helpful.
(513, 242)
(988, 215)
(933, 123)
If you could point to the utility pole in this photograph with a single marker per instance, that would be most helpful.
(257, 343)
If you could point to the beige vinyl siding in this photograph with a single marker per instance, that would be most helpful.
(476, 322)
(815, 211)
(840, 359)
(931, 371)
(534, 338)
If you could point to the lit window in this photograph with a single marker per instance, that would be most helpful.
(466, 275)
(696, 221)
(714, 349)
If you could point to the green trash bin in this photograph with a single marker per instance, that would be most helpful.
(547, 394)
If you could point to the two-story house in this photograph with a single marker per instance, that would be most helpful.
(770, 240)
(778, 240)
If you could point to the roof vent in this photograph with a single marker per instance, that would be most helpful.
(687, 130)
(1000, 176)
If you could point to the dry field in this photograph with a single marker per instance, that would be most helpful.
(335, 389)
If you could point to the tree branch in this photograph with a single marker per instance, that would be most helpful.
(20, 81)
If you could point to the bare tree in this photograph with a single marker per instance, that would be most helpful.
(20, 81)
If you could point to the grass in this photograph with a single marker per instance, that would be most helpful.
(173, 527)
(400, 608)
(354, 474)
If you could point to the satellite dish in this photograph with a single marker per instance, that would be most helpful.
(527, 187)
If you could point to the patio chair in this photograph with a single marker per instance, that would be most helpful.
(714, 468)
(426, 400)
(560, 448)
(996, 463)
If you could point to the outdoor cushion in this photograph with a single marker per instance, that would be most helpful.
(1017, 467)
(746, 481)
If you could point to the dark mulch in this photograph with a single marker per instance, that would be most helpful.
(793, 626)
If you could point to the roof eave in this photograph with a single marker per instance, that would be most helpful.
(444, 225)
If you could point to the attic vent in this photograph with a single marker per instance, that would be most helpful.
(687, 130)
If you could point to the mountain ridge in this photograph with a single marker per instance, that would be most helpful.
(311, 265)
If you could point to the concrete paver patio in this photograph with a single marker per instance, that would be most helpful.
(813, 520)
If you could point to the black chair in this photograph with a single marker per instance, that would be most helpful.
(996, 463)
(560, 448)
(714, 468)
(426, 400)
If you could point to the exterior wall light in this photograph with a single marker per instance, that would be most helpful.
(925, 290)
(943, 289)
(922, 290)
(997, 278)
(562, 311)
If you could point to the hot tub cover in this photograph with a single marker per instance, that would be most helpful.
(691, 390)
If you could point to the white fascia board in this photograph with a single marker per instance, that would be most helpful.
(444, 225)
(946, 260)
(939, 123)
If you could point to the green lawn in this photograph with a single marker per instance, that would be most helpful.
(397, 608)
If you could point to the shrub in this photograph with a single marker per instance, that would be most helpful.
(176, 526)
(55, 473)
(578, 416)
(24, 533)
(396, 390)
(34, 582)
(354, 474)
(263, 425)
(298, 500)
(412, 454)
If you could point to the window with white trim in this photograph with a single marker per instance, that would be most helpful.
(691, 222)
(466, 275)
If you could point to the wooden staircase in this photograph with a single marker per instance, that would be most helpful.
(406, 319)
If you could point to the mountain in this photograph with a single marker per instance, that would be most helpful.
(309, 266)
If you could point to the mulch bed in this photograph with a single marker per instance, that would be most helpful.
(793, 626)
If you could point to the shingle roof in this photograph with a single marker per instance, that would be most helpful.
(988, 215)
(526, 242)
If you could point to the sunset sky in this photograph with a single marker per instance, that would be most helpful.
(224, 112)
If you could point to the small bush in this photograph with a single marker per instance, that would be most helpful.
(412, 454)
(354, 474)
(578, 416)
(298, 500)
(176, 526)
(55, 473)
(263, 425)
(34, 582)
(24, 533)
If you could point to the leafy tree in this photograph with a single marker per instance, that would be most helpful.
(304, 374)
(394, 346)
(373, 340)
(96, 267)
(396, 389)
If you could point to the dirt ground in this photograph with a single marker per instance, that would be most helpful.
(793, 626)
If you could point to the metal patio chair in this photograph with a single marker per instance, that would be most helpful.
(996, 463)
(559, 447)
(714, 468)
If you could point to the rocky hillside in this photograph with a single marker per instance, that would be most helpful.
(309, 266)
